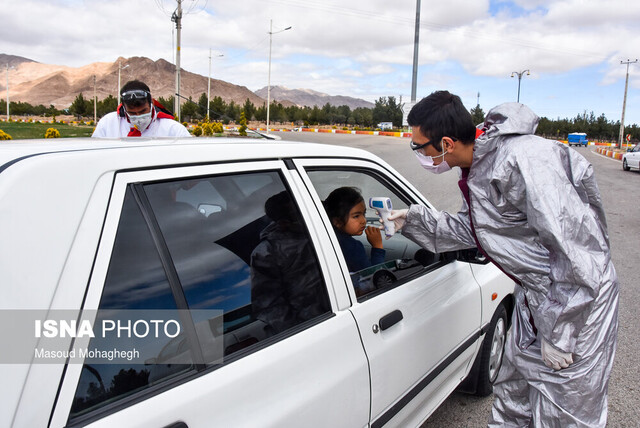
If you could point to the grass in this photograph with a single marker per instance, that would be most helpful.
(25, 130)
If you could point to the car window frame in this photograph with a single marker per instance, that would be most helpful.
(386, 176)
(95, 286)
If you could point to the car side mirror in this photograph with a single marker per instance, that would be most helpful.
(472, 255)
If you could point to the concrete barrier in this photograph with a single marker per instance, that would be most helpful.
(609, 153)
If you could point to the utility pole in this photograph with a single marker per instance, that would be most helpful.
(177, 18)
(416, 42)
(209, 87)
(95, 102)
(624, 102)
(478, 103)
(8, 92)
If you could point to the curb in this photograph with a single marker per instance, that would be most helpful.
(340, 131)
(609, 153)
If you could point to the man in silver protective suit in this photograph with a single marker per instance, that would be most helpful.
(532, 206)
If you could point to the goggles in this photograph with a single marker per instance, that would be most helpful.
(135, 96)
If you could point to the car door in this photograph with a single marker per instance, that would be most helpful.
(420, 319)
(217, 242)
(634, 157)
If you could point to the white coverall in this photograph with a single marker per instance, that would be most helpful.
(536, 211)
(113, 126)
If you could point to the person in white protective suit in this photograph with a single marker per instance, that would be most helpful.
(139, 115)
(532, 206)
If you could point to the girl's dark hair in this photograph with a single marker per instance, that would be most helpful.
(340, 202)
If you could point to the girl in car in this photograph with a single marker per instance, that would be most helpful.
(346, 210)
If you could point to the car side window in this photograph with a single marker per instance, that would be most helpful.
(402, 258)
(135, 280)
(237, 244)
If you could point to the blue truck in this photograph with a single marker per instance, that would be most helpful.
(577, 139)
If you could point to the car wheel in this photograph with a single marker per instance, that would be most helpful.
(625, 166)
(492, 352)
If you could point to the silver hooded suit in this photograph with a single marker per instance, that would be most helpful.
(537, 212)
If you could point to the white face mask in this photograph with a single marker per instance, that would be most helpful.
(141, 121)
(427, 163)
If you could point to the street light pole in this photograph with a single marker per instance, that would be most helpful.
(416, 43)
(624, 102)
(271, 33)
(120, 68)
(177, 18)
(519, 74)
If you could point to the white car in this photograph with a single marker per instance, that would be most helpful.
(631, 159)
(256, 328)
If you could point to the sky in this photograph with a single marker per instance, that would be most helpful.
(572, 49)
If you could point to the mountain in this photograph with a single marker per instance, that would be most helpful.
(37, 83)
(310, 98)
(12, 60)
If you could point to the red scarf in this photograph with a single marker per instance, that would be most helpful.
(156, 113)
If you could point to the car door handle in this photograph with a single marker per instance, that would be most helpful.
(177, 425)
(390, 319)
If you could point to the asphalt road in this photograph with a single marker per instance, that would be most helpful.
(621, 195)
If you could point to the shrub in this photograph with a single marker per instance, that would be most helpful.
(207, 129)
(52, 133)
(243, 125)
(197, 131)
(216, 128)
(4, 135)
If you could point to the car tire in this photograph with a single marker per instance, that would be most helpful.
(492, 352)
(625, 166)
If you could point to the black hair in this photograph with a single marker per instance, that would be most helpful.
(340, 202)
(442, 114)
(136, 85)
(280, 207)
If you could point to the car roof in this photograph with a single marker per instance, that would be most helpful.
(202, 149)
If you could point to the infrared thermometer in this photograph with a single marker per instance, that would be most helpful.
(384, 207)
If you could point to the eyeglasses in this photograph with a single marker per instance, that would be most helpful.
(414, 146)
(135, 95)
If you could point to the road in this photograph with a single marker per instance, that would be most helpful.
(621, 195)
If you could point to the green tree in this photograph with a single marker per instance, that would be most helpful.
(232, 112)
(477, 115)
(80, 107)
(107, 105)
(217, 108)
(248, 109)
(260, 113)
(202, 105)
(387, 110)
(167, 103)
(189, 110)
